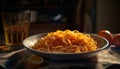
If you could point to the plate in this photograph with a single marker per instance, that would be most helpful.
(30, 41)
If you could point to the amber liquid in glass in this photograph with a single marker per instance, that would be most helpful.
(15, 34)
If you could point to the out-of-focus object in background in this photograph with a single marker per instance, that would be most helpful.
(83, 18)
(33, 16)
(116, 39)
(106, 34)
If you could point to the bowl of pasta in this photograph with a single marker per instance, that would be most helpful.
(65, 45)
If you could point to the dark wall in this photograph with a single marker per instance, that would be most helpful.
(1, 26)
(108, 15)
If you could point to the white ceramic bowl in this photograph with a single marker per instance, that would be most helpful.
(30, 41)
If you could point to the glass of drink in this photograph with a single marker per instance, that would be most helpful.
(16, 27)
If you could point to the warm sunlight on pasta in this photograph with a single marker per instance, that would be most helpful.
(66, 42)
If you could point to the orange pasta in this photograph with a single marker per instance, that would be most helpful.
(66, 42)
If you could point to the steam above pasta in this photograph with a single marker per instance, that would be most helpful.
(66, 42)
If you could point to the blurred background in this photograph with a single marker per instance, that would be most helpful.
(88, 16)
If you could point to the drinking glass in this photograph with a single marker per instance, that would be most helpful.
(16, 27)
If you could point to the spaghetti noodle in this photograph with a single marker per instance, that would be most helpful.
(66, 42)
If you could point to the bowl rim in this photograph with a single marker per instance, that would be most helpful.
(56, 53)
